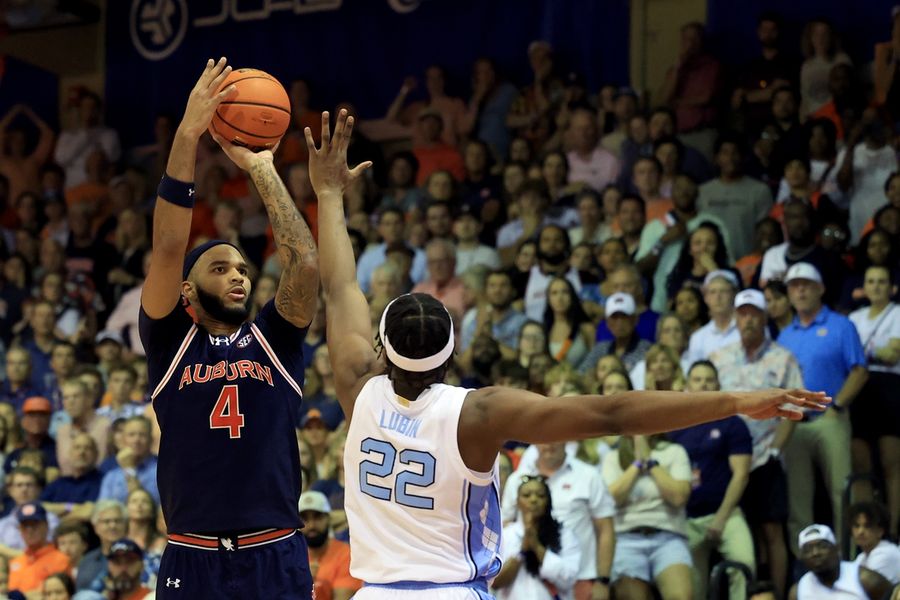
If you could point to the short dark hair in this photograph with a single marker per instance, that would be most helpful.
(875, 512)
(124, 368)
(631, 198)
(651, 159)
(730, 137)
(407, 156)
(703, 363)
(536, 186)
(388, 210)
(28, 472)
(66, 528)
(500, 272)
(418, 326)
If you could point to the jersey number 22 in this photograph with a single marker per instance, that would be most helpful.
(389, 459)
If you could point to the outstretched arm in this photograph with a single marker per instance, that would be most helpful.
(491, 416)
(298, 288)
(172, 222)
(348, 328)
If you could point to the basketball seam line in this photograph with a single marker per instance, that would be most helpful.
(284, 110)
(266, 137)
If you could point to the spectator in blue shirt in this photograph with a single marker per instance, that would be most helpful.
(17, 385)
(39, 340)
(720, 463)
(75, 494)
(35, 425)
(832, 360)
(137, 467)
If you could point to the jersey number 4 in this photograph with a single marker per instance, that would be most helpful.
(226, 414)
(406, 477)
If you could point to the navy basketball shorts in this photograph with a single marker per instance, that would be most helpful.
(266, 564)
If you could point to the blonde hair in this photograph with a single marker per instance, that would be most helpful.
(678, 380)
(564, 375)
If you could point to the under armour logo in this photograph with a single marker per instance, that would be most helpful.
(175, 583)
(227, 543)
(218, 340)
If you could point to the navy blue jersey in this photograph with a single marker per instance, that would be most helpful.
(227, 409)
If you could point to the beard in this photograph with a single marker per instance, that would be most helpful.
(552, 259)
(316, 541)
(215, 308)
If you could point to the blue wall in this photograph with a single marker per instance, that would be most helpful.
(358, 51)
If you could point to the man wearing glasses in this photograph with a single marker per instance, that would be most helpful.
(25, 486)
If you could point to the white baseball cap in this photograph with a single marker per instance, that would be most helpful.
(750, 297)
(721, 274)
(803, 270)
(314, 501)
(814, 533)
(620, 302)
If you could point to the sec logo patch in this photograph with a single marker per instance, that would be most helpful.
(245, 341)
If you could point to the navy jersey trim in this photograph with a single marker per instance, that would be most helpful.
(178, 356)
(267, 348)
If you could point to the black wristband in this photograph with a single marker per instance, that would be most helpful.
(603, 580)
(175, 191)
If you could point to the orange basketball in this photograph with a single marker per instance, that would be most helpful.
(257, 115)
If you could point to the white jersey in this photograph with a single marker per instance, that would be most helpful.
(416, 512)
(847, 586)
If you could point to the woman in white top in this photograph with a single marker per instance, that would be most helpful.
(571, 333)
(877, 409)
(540, 557)
(822, 51)
(650, 480)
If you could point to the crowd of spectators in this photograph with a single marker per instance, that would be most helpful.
(731, 230)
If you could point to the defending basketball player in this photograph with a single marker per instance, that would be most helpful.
(225, 390)
(420, 457)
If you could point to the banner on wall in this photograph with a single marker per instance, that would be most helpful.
(354, 50)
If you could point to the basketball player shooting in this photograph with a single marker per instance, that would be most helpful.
(420, 460)
(226, 391)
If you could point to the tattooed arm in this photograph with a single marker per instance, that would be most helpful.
(298, 289)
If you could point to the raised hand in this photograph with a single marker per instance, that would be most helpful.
(328, 170)
(205, 97)
(790, 404)
(243, 157)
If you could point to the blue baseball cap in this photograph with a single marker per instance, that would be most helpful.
(124, 546)
(31, 511)
(194, 255)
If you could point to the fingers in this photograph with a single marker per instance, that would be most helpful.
(326, 130)
(346, 133)
(228, 92)
(341, 131)
(215, 71)
(787, 413)
(217, 82)
(360, 169)
(310, 142)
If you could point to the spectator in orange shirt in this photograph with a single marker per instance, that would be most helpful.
(329, 559)
(433, 153)
(41, 559)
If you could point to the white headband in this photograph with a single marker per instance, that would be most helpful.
(415, 365)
